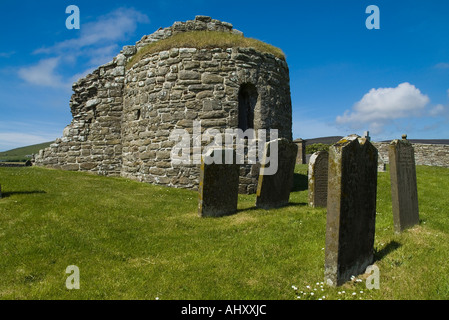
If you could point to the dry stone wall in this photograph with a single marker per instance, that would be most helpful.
(122, 119)
(425, 154)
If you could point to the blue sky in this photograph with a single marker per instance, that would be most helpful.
(344, 77)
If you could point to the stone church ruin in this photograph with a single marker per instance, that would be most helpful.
(124, 111)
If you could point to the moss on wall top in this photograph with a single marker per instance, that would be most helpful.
(205, 40)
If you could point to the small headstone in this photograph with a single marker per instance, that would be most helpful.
(219, 184)
(273, 190)
(351, 209)
(318, 169)
(381, 165)
(404, 192)
(301, 156)
(366, 135)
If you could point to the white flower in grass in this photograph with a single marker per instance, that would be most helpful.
(294, 288)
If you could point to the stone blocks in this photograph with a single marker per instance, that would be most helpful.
(318, 179)
(273, 188)
(404, 192)
(351, 209)
(219, 183)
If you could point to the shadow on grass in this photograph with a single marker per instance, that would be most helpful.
(379, 255)
(300, 182)
(8, 194)
(290, 204)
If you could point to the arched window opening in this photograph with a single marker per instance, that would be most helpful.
(247, 103)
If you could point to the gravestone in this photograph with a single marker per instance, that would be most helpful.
(381, 165)
(301, 156)
(404, 193)
(219, 183)
(273, 188)
(351, 209)
(318, 175)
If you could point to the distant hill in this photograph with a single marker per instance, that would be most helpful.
(335, 139)
(323, 140)
(22, 154)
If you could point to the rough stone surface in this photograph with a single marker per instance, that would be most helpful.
(218, 189)
(301, 157)
(351, 209)
(122, 119)
(318, 179)
(273, 191)
(404, 193)
(436, 155)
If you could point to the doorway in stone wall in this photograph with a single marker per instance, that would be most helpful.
(247, 104)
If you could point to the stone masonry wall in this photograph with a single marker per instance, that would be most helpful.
(170, 89)
(425, 154)
(122, 119)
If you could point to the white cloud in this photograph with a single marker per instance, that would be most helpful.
(380, 106)
(107, 29)
(437, 110)
(97, 44)
(12, 140)
(6, 54)
(43, 74)
(442, 65)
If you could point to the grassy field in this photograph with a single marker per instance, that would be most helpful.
(20, 154)
(137, 241)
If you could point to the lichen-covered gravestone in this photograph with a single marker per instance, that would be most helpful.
(404, 193)
(351, 209)
(318, 175)
(276, 174)
(219, 183)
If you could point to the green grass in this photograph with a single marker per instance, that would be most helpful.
(204, 40)
(132, 240)
(20, 154)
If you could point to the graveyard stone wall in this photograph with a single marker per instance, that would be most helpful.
(425, 154)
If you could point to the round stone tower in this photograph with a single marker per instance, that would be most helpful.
(168, 82)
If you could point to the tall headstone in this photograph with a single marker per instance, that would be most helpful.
(404, 192)
(274, 187)
(301, 156)
(351, 209)
(219, 183)
(318, 176)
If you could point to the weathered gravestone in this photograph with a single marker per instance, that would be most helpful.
(351, 209)
(404, 193)
(301, 156)
(276, 176)
(381, 165)
(219, 183)
(318, 169)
